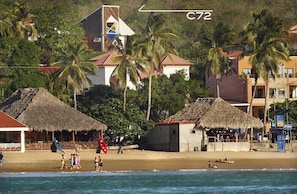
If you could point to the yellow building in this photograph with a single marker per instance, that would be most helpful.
(238, 88)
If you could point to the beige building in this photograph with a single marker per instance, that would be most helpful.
(238, 88)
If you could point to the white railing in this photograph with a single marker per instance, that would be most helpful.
(10, 145)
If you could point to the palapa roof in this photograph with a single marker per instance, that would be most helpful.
(215, 113)
(40, 110)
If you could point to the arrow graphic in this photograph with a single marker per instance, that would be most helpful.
(173, 10)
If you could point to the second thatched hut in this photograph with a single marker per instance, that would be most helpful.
(209, 124)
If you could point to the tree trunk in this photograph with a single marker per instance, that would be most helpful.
(218, 88)
(125, 98)
(149, 100)
(252, 99)
(74, 98)
(265, 108)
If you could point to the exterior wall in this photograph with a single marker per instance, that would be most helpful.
(159, 138)
(175, 137)
(168, 70)
(92, 25)
(228, 146)
(95, 26)
(239, 87)
(190, 138)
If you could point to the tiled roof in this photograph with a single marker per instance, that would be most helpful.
(174, 60)
(106, 59)
(7, 121)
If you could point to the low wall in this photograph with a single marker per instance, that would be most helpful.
(228, 146)
(10, 146)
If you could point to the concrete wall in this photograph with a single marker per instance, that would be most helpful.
(175, 137)
(190, 138)
(228, 146)
(159, 137)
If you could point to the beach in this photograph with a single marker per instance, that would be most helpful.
(144, 160)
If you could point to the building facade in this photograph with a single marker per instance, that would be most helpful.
(238, 88)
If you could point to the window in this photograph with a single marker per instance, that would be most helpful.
(289, 72)
(281, 93)
(293, 92)
(272, 92)
(260, 92)
(246, 71)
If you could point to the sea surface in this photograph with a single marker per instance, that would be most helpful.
(181, 181)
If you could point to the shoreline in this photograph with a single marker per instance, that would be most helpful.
(143, 160)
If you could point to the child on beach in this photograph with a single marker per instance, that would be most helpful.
(63, 162)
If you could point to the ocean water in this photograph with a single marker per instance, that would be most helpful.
(182, 181)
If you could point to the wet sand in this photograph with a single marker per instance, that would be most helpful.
(142, 160)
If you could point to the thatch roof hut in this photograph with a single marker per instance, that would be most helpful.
(215, 113)
(40, 110)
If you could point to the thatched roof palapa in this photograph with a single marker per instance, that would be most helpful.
(215, 113)
(40, 110)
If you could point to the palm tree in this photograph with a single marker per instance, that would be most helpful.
(129, 66)
(18, 22)
(24, 27)
(73, 68)
(218, 62)
(265, 36)
(154, 45)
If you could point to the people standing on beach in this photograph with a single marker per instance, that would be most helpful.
(1, 159)
(120, 150)
(63, 162)
(96, 163)
(73, 161)
(77, 161)
(100, 164)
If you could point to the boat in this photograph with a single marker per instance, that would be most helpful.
(225, 161)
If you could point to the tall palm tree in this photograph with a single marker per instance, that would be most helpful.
(218, 62)
(73, 68)
(265, 37)
(155, 44)
(17, 21)
(129, 66)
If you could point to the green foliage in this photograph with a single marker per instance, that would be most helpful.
(104, 104)
(58, 25)
(169, 95)
(20, 62)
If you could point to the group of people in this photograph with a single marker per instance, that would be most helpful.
(98, 163)
(74, 161)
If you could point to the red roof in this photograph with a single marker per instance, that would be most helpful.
(106, 59)
(47, 69)
(234, 55)
(7, 121)
(174, 60)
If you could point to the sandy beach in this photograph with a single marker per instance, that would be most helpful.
(143, 160)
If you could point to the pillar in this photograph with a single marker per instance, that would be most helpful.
(23, 141)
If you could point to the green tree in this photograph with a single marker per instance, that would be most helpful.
(19, 63)
(156, 42)
(218, 63)
(128, 67)
(169, 94)
(107, 108)
(16, 21)
(265, 36)
(73, 68)
(57, 24)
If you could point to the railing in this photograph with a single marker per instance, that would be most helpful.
(10, 146)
